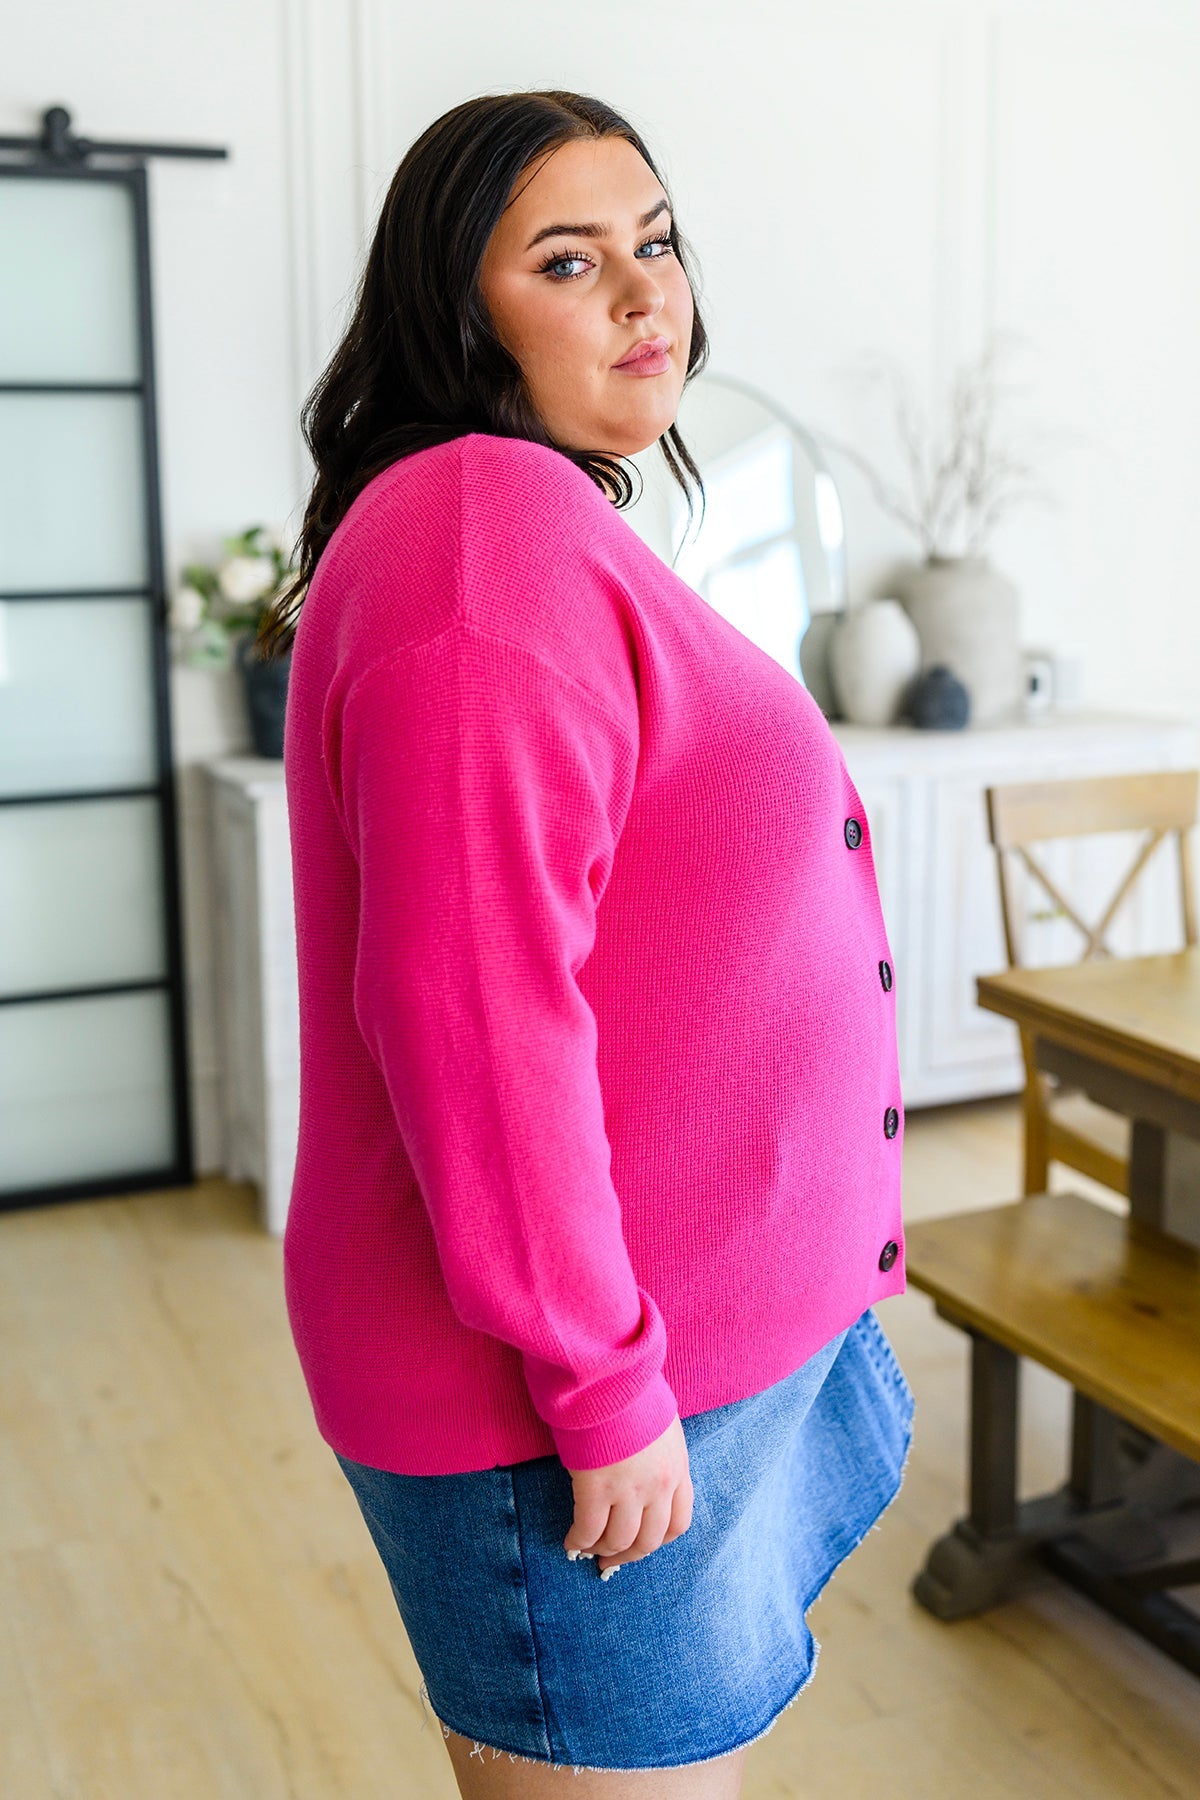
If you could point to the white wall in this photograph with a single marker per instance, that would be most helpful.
(897, 176)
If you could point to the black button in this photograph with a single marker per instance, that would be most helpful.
(891, 1122)
(885, 975)
(888, 1255)
(853, 833)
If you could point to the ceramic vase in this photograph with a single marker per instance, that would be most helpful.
(967, 616)
(814, 661)
(874, 653)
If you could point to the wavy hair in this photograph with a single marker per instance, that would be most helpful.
(420, 361)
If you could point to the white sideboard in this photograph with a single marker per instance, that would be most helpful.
(257, 999)
(923, 791)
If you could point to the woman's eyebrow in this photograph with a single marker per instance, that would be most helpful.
(594, 230)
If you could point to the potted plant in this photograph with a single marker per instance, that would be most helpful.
(217, 611)
(958, 485)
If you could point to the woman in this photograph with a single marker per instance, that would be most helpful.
(599, 1156)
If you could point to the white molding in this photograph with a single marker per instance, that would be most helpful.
(323, 155)
(298, 102)
(368, 58)
(965, 251)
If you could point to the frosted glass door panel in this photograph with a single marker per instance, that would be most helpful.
(93, 1052)
(72, 506)
(76, 695)
(68, 307)
(86, 1089)
(80, 895)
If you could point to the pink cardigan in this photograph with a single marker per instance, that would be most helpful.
(600, 1111)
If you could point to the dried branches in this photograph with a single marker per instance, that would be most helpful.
(956, 490)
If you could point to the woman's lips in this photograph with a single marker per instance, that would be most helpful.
(651, 357)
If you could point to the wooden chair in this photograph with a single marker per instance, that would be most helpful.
(1060, 1123)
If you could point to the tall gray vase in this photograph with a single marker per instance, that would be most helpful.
(967, 616)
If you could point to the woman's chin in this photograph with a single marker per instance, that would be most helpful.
(633, 436)
(628, 433)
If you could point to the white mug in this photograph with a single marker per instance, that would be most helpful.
(1067, 678)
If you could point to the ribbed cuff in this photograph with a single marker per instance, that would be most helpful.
(621, 1435)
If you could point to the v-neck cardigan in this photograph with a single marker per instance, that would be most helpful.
(600, 1110)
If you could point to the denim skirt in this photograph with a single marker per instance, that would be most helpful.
(685, 1655)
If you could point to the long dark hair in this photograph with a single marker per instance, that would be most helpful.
(420, 362)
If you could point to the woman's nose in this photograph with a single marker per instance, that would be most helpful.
(641, 294)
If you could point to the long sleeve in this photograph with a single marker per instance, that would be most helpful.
(482, 792)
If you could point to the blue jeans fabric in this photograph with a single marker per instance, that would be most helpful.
(694, 1650)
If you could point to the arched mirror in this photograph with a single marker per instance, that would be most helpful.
(769, 553)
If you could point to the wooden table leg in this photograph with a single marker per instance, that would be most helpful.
(1164, 1154)
(1120, 1480)
(1164, 1180)
(1097, 1474)
(1147, 1154)
(988, 1556)
(995, 1401)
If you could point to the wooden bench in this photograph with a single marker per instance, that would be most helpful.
(1112, 1306)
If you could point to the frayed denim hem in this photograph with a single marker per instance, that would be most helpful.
(480, 1749)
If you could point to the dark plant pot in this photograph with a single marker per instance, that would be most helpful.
(939, 701)
(266, 685)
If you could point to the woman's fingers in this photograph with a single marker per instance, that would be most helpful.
(590, 1522)
(630, 1508)
(624, 1523)
(649, 1536)
(682, 1504)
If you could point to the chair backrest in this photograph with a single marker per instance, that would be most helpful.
(1160, 802)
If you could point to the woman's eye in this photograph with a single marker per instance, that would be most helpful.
(557, 261)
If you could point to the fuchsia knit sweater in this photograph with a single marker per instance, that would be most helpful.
(600, 1112)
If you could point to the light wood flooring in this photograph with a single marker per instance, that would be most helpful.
(191, 1608)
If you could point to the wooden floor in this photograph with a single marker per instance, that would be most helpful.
(191, 1608)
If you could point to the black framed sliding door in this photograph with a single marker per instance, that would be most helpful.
(93, 1048)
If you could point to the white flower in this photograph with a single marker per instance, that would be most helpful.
(246, 578)
(187, 608)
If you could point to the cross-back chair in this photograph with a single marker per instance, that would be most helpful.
(1060, 1123)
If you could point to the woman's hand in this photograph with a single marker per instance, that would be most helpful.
(629, 1508)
